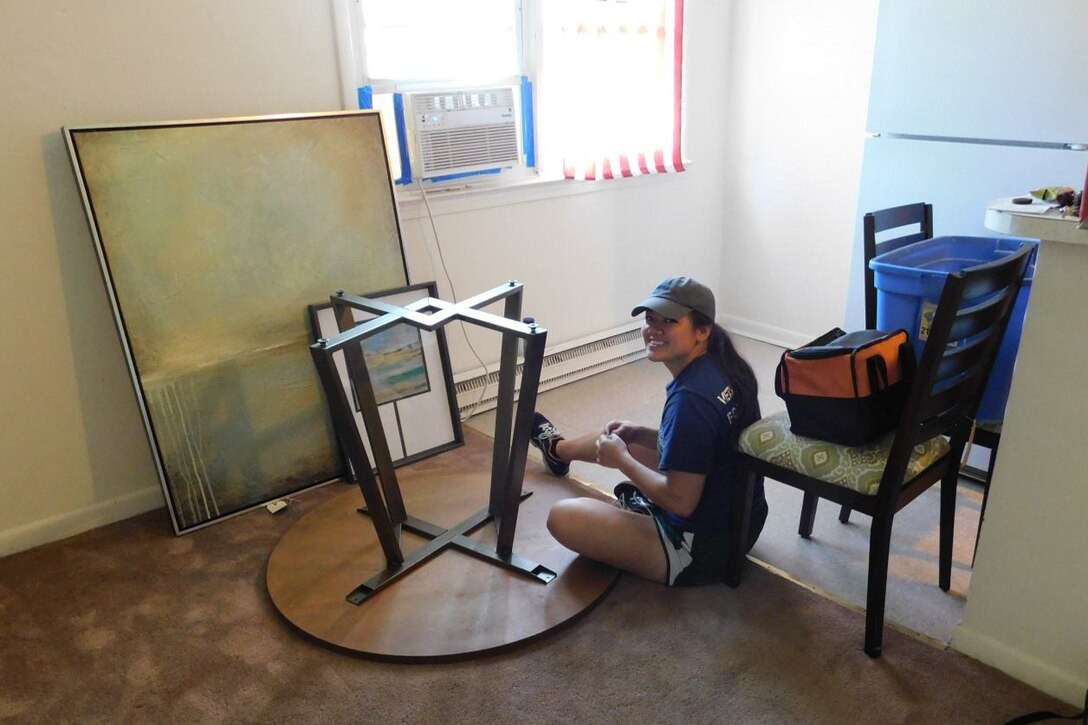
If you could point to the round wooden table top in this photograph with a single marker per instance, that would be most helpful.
(453, 605)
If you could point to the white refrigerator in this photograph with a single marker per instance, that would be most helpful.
(971, 100)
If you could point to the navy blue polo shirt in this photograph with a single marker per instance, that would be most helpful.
(697, 426)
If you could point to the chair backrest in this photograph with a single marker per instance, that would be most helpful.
(885, 220)
(964, 339)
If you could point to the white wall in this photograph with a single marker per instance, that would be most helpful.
(73, 454)
(798, 93)
(585, 259)
(72, 449)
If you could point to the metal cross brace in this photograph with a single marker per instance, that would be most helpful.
(384, 503)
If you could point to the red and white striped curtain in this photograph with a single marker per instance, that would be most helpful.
(615, 68)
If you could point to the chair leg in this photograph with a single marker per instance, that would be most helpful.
(738, 530)
(981, 518)
(990, 465)
(808, 514)
(844, 514)
(985, 497)
(880, 537)
(948, 526)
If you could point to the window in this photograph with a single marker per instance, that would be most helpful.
(590, 88)
(439, 40)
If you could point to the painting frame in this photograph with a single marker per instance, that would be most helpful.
(212, 237)
(417, 424)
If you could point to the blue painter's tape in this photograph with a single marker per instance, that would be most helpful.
(366, 97)
(402, 140)
(528, 133)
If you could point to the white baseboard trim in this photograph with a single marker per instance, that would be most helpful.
(75, 522)
(1027, 668)
(767, 333)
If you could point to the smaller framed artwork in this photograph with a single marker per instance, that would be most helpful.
(410, 371)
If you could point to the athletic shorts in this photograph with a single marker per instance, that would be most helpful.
(691, 558)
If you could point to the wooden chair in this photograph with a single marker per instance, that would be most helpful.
(886, 220)
(896, 220)
(880, 478)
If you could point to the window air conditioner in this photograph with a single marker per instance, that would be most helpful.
(463, 131)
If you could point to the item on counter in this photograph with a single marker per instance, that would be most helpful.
(1066, 199)
(1053, 193)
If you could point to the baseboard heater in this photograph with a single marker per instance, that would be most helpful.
(565, 364)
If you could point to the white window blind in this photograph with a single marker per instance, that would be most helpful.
(613, 82)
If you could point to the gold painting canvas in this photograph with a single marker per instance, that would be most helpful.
(214, 237)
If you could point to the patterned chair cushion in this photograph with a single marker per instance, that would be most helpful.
(858, 468)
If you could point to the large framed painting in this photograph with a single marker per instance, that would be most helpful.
(214, 237)
(410, 372)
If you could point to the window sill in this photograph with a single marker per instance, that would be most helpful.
(471, 194)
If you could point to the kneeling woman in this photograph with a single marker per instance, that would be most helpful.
(670, 523)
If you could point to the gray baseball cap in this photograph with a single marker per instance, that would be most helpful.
(676, 297)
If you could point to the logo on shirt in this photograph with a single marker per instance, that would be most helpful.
(725, 398)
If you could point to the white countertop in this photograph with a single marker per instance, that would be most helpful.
(1050, 226)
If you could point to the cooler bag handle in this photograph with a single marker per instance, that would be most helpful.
(878, 372)
(878, 367)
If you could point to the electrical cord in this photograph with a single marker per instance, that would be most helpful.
(453, 292)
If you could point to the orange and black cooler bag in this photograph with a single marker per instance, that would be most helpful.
(847, 388)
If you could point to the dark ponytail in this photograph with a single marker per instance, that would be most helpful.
(735, 368)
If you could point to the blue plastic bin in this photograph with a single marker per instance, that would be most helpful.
(909, 281)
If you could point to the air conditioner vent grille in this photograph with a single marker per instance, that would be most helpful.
(469, 146)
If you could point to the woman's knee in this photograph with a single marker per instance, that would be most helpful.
(570, 519)
(562, 518)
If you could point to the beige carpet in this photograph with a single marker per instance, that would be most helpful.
(834, 560)
(130, 624)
